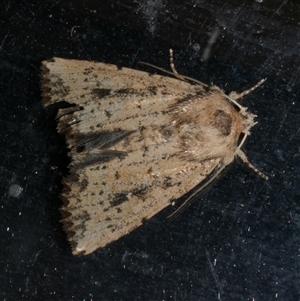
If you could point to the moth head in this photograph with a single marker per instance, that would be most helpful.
(248, 120)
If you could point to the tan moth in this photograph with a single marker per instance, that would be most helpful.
(137, 143)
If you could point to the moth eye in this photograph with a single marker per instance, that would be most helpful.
(223, 122)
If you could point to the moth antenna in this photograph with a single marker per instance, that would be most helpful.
(233, 101)
(175, 73)
(243, 156)
(172, 62)
(182, 77)
(235, 95)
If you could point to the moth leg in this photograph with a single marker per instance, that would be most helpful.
(206, 184)
(243, 156)
(235, 95)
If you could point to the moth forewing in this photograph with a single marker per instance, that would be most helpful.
(137, 142)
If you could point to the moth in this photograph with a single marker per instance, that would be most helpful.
(137, 143)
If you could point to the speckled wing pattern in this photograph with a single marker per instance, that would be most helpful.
(137, 142)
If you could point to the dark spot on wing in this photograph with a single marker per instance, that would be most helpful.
(168, 182)
(100, 93)
(83, 184)
(140, 192)
(119, 198)
(107, 113)
(94, 159)
(61, 89)
(80, 149)
(100, 140)
(123, 91)
(88, 71)
(152, 90)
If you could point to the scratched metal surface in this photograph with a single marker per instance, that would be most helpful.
(239, 241)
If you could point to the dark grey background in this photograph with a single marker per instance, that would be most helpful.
(240, 241)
